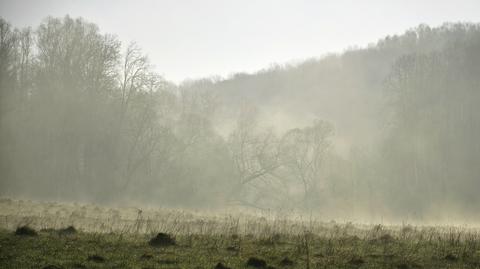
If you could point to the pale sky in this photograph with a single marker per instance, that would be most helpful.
(193, 39)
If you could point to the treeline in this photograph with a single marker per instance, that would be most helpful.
(85, 118)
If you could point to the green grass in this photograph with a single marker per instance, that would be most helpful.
(204, 251)
(204, 239)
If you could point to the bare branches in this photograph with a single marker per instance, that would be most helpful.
(135, 75)
(302, 152)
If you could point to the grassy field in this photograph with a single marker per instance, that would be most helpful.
(122, 238)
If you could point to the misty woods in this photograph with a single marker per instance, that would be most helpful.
(388, 130)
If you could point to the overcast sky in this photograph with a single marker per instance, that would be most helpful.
(192, 39)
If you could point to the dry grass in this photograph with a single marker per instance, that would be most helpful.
(119, 238)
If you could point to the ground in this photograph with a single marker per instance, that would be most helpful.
(232, 243)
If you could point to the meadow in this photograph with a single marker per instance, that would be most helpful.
(61, 235)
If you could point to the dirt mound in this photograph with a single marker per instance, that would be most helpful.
(26, 231)
(386, 238)
(70, 230)
(356, 261)
(256, 262)
(451, 257)
(96, 258)
(162, 240)
(221, 266)
(232, 248)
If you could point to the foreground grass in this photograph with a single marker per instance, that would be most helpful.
(119, 238)
(406, 249)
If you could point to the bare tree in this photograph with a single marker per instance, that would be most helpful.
(134, 76)
(302, 154)
(254, 154)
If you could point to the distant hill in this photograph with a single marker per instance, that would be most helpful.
(345, 88)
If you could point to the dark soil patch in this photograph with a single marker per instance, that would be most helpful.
(51, 266)
(286, 262)
(232, 248)
(167, 261)
(256, 262)
(96, 258)
(221, 266)
(146, 256)
(451, 258)
(26, 231)
(162, 240)
(70, 230)
(386, 238)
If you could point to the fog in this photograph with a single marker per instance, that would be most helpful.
(384, 132)
(197, 39)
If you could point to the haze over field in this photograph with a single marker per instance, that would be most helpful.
(197, 39)
(315, 108)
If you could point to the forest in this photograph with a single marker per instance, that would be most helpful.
(388, 131)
